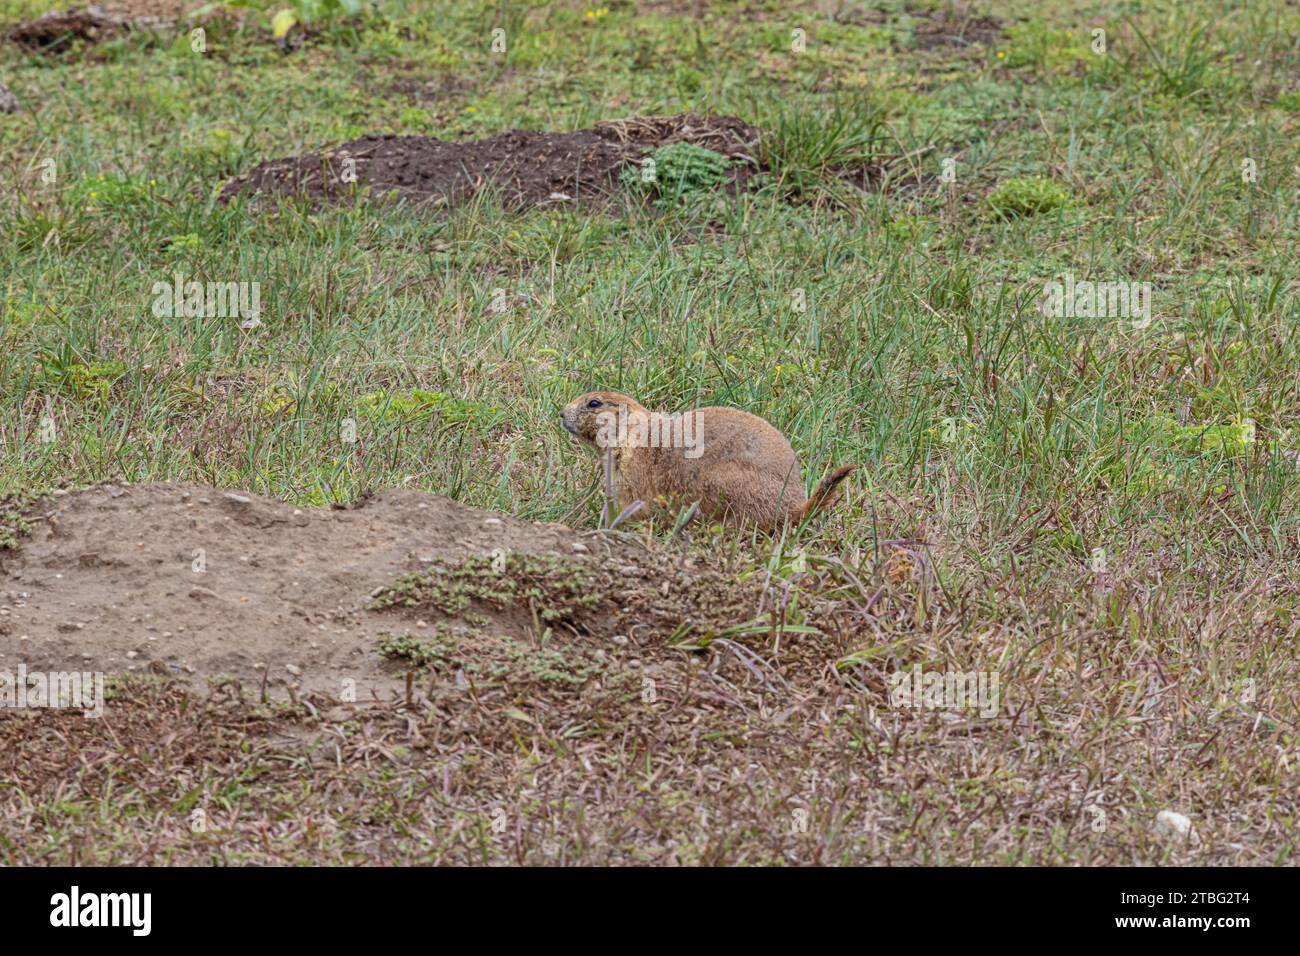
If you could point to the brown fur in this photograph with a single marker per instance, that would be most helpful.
(746, 472)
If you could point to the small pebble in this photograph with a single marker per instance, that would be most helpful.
(1172, 824)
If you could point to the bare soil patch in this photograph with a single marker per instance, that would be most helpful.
(527, 167)
(555, 693)
(186, 581)
(948, 28)
(423, 89)
(55, 31)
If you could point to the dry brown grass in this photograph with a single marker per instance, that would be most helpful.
(1120, 691)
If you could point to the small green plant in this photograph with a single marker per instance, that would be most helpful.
(1181, 62)
(678, 169)
(1230, 438)
(311, 13)
(1034, 44)
(905, 228)
(61, 371)
(804, 150)
(107, 192)
(17, 315)
(419, 404)
(1289, 101)
(1028, 197)
(13, 524)
(489, 656)
(1152, 445)
(555, 587)
(181, 245)
(405, 647)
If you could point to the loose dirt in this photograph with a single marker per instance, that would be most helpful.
(54, 31)
(945, 29)
(528, 167)
(186, 581)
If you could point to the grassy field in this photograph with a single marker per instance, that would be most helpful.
(1101, 510)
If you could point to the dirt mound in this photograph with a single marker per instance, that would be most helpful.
(528, 167)
(54, 31)
(183, 580)
(955, 28)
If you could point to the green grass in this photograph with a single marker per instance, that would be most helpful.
(895, 329)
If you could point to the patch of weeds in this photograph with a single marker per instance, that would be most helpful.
(1034, 44)
(1228, 439)
(13, 524)
(805, 150)
(678, 169)
(490, 657)
(952, 290)
(1138, 476)
(558, 588)
(418, 404)
(315, 16)
(219, 154)
(551, 664)
(689, 81)
(1289, 101)
(1181, 63)
(108, 192)
(1139, 468)
(906, 228)
(950, 431)
(60, 371)
(414, 650)
(415, 118)
(1028, 197)
(184, 245)
(33, 227)
(19, 315)
(274, 401)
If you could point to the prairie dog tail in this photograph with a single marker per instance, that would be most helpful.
(826, 493)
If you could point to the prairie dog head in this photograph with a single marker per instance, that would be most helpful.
(593, 418)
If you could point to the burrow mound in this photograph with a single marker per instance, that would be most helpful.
(185, 581)
(54, 31)
(528, 168)
(955, 28)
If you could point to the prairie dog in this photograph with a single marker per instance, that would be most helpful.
(737, 466)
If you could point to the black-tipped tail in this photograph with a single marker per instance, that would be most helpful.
(827, 492)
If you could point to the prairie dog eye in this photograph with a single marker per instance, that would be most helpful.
(595, 403)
